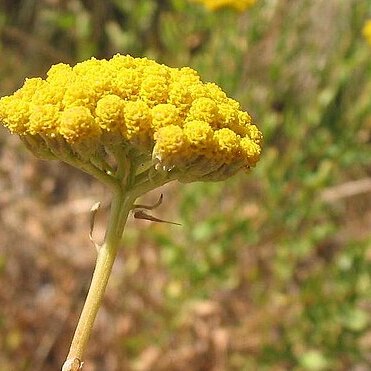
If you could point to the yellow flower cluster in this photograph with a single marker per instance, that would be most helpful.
(367, 31)
(164, 115)
(239, 5)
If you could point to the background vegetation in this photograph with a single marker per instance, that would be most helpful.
(270, 271)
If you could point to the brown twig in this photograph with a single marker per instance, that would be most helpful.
(29, 41)
(346, 190)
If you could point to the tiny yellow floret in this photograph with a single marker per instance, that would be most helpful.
(171, 145)
(250, 151)
(44, 120)
(227, 145)
(200, 136)
(165, 115)
(204, 109)
(110, 112)
(15, 114)
(154, 87)
(137, 121)
(127, 82)
(29, 88)
(78, 124)
(254, 134)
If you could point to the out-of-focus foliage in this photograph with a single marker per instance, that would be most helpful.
(270, 271)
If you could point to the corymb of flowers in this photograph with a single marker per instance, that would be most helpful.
(163, 123)
(135, 125)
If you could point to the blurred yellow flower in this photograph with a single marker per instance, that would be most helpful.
(166, 117)
(367, 31)
(239, 5)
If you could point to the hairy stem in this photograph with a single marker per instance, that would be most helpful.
(120, 208)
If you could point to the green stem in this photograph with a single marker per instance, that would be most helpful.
(120, 208)
(93, 171)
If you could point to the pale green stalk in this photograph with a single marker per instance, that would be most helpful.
(121, 205)
(126, 191)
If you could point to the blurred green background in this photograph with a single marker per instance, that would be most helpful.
(270, 270)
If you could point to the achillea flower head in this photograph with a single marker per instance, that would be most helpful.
(239, 5)
(135, 125)
(367, 31)
(161, 122)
